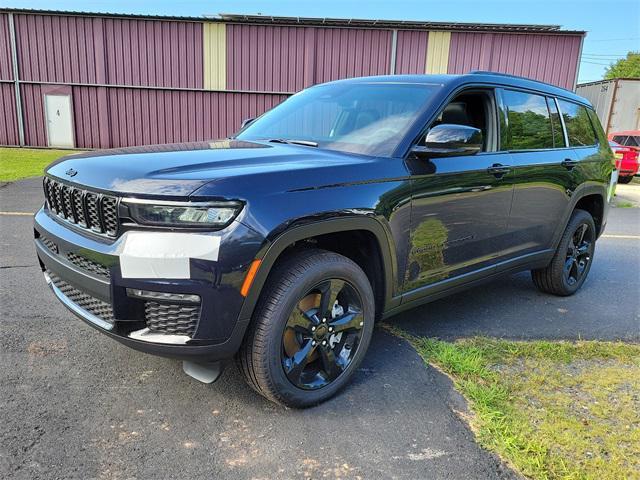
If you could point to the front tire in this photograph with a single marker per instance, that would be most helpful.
(310, 330)
(572, 261)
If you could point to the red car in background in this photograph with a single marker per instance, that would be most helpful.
(626, 147)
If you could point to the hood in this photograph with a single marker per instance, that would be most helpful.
(179, 170)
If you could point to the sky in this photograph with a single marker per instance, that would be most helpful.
(612, 26)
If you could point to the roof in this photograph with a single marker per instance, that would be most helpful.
(482, 77)
(321, 22)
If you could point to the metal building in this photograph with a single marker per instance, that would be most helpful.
(93, 80)
(617, 102)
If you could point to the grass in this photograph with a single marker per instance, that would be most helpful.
(552, 410)
(18, 163)
(624, 205)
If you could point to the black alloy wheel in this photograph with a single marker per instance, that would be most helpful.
(310, 330)
(579, 253)
(571, 262)
(322, 334)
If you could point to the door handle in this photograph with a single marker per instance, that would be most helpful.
(569, 163)
(498, 169)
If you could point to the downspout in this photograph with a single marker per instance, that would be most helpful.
(16, 79)
(394, 47)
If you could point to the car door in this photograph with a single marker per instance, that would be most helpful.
(542, 172)
(460, 204)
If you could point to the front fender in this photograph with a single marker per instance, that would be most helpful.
(272, 250)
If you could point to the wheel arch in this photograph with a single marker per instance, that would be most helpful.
(591, 198)
(292, 236)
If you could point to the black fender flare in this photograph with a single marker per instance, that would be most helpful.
(582, 191)
(271, 252)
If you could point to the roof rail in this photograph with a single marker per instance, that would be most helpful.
(509, 75)
(488, 72)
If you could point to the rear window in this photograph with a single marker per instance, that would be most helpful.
(528, 122)
(633, 141)
(578, 125)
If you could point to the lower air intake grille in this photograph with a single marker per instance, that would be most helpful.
(50, 244)
(173, 318)
(89, 265)
(91, 304)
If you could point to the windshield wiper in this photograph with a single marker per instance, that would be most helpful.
(306, 143)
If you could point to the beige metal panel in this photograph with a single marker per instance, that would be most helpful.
(215, 56)
(438, 52)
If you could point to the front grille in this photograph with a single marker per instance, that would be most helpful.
(83, 208)
(89, 265)
(85, 301)
(172, 318)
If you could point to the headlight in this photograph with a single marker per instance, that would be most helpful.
(213, 215)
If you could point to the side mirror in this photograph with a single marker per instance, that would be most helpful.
(246, 122)
(448, 140)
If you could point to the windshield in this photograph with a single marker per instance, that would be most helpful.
(366, 118)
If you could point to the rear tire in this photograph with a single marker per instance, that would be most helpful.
(625, 180)
(310, 330)
(572, 261)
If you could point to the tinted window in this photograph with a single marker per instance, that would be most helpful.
(597, 126)
(528, 122)
(558, 135)
(579, 128)
(620, 139)
(633, 141)
(369, 118)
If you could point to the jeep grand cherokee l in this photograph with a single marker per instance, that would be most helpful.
(349, 202)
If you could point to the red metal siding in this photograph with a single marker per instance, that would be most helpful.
(140, 116)
(33, 113)
(115, 51)
(344, 53)
(411, 51)
(268, 59)
(151, 53)
(57, 49)
(6, 64)
(549, 58)
(287, 59)
(8, 120)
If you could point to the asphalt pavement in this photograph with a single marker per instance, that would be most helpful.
(77, 405)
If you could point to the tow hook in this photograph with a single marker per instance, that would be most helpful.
(205, 372)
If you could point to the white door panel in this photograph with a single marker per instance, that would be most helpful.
(59, 121)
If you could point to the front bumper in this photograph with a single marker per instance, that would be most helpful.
(84, 272)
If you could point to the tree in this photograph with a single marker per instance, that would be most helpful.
(625, 67)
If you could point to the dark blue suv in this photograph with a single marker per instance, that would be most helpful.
(349, 202)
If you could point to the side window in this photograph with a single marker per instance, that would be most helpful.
(579, 128)
(556, 124)
(474, 109)
(528, 122)
(620, 139)
(597, 126)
